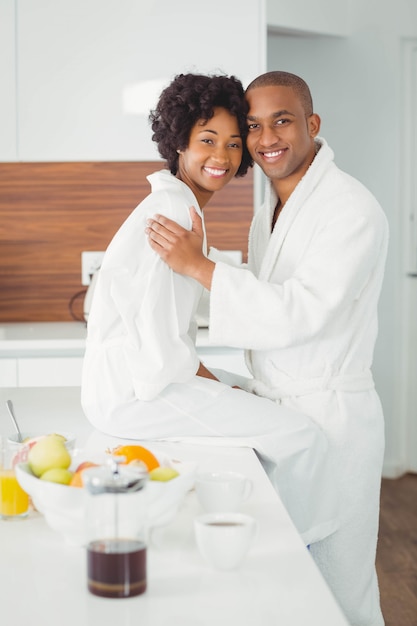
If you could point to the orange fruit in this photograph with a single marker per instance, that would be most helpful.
(77, 478)
(134, 453)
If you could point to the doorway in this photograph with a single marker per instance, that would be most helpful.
(408, 382)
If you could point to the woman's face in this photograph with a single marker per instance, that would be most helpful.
(213, 155)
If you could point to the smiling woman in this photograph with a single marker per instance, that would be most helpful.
(213, 155)
(140, 346)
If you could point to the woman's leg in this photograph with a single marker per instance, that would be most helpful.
(292, 448)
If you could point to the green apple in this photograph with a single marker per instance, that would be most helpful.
(57, 475)
(48, 453)
(163, 473)
(60, 437)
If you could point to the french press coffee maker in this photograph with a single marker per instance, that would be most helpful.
(116, 529)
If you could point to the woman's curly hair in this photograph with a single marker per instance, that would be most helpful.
(192, 97)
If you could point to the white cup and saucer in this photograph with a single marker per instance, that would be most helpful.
(222, 491)
(223, 533)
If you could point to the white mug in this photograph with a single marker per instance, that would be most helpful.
(222, 491)
(224, 539)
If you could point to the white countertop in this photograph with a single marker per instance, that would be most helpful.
(43, 579)
(32, 338)
(48, 338)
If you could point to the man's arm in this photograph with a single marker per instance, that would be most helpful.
(180, 248)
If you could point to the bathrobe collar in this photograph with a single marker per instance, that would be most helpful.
(292, 207)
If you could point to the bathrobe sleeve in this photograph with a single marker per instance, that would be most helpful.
(339, 256)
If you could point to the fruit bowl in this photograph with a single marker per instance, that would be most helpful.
(64, 507)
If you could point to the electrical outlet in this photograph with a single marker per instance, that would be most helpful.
(90, 263)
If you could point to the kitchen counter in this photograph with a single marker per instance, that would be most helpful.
(43, 579)
(45, 338)
(32, 338)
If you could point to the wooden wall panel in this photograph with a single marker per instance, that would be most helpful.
(51, 212)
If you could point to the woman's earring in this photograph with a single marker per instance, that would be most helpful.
(179, 151)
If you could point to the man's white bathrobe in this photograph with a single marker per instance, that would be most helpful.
(306, 311)
(139, 374)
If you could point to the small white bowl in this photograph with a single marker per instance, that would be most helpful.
(64, 507)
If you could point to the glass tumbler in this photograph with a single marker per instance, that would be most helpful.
(14, 501)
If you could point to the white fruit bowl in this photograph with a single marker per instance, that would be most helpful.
(64, 507)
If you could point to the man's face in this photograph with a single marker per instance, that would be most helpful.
(281, 136)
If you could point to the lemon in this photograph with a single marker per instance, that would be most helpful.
(163, 474)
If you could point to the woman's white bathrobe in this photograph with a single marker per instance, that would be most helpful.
(306, 311)
(139, 374)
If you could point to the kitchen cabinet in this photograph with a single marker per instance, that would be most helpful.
(50, 354)
(8, 372)
(43, 354)
(79, 78)
(89, 72)
(49, 372)
(8, 70)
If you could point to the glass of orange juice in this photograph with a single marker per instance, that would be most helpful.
(14, 502)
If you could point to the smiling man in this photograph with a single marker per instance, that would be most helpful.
(281, 133)
(305, 310)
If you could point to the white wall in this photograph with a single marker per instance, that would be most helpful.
(357, 89)
(331, 17)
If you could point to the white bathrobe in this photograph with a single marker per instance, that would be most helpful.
(140, 328)
(139, 374)
(306, 312)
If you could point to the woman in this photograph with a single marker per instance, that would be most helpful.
(140, 328)
(142, 378)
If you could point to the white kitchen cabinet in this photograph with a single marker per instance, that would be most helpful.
(8, 372)
(50, 354)
(8, 142)
(89, 72)
(41, 354)
(66, 371)
(49, 372)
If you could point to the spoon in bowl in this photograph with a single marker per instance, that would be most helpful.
(12, 415)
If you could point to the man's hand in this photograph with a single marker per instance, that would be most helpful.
(180, 248)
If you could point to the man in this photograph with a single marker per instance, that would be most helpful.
(305, 310)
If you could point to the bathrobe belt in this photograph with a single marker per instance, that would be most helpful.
(285, 387)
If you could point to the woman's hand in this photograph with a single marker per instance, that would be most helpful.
(180, 248)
